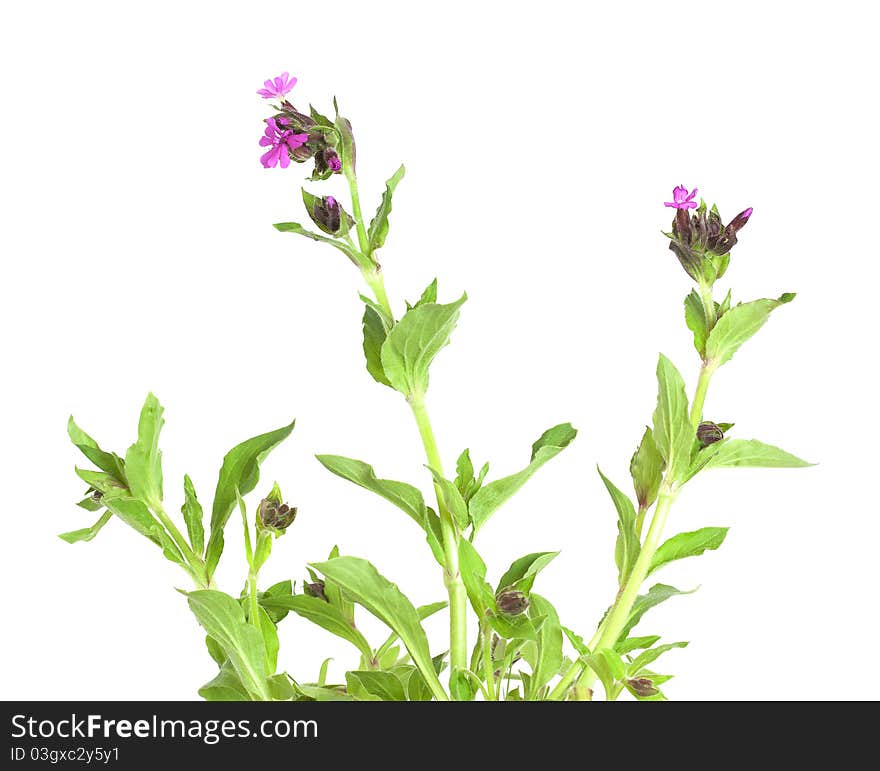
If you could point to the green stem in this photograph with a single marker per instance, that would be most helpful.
(488, 668)
(254, 601)
(706, 372)
(373, 276)
(708, 306)
(640, 521)
(449, 531)
(351, 177)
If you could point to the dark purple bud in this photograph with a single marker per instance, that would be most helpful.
(709, 433)
(275, 516)
(327, 214)
(740, 220)
(97, 495)
(332, 159)
(681, 226)
(642, 686)
(689, 260)
(512, 602)
(316, 590)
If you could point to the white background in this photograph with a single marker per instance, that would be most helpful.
(540, 142)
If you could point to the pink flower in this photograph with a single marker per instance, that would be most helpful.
(681, 199)
(279, 140)
(277, 87)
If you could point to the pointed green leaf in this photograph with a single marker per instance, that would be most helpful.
(143, 461)
(428, 296)
(627, 549)
(108, 462)
(452, 499)
(576, 641)
(690, 544)
(295, 227)
(413, 343)
(549, 645)
(646, 468)
(87, 533)
(223, 619)
(738, 325)
(192, 515)
(695, 317)
(135, 514)
(104, 483)
(652, 654)
(644, 602)
(378, 231)
(522, 573)
(324, 615)
(635, 643)
(376, 329)
(404, 496)
(673, 433)
(473, 575)
(491, 496)
(239, 475)
(749, 453)
(384, 600)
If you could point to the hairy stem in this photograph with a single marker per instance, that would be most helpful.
(706, 372)
(452, 576)
(351, 177)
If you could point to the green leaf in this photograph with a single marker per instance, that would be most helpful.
(690, 544)
(104, 483)
(281, 688)
(270, 640)
(404, 496)
(650, 655)
(522, 572)
(239, 475)
(609, 668)
(576, 641)
(295, 227)
(738, 325)
(223, 619)
(324, 615)
(383, 599)
(376, 329)
(627, 549)
(695, 317)
(413, 343)
(491, 496)
(646, 468)
(748, 453)
(336, 596)
(281, 589)
(672, 427)
(108, 462)
(87, 533)
(215, 651)
(644, 602)
(473, 575)
(143, 461)
(635, 643)
(378, 231)
(416, 687)
(428, 296)
(345, 219)
(192, 515)
(135, 514)
(520, 627)
(226, 686)
(549, 645)
(383, 686)
(452, 499)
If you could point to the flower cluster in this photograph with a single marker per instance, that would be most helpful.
(293, 136)
(700, 240)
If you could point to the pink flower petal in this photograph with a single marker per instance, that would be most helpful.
(284, 158)
(266, 142)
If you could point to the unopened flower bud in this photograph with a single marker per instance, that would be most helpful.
(642, 686)
(275, 516)
(327, 214)
(709, 433)
(316, 590)
(512, 602)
